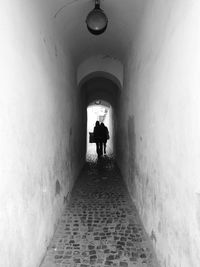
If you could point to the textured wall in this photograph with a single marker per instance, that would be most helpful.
(39, 142)
(160, 156)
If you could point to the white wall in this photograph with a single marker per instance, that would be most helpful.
(39, 143)
(161, 157)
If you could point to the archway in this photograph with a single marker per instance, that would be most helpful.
(101, 66)
(102, 111)
(104, 89)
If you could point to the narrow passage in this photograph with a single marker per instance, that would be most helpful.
(100, 225)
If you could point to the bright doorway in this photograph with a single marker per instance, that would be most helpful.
(101, 111)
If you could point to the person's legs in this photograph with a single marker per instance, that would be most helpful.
(97, 148)
(101, 148)
(104, 147)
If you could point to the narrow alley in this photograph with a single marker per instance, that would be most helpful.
(100, 225)
(133, 66)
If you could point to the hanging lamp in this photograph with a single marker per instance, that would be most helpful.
(97, 20)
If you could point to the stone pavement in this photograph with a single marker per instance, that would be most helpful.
(100, 225)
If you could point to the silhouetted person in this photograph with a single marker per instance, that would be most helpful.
(104, 136)
(98, 138)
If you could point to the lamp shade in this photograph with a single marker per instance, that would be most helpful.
(96, 21)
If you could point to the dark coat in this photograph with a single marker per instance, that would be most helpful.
(104, 133)
(97, 133)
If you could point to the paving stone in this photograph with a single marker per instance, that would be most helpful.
(123, 264)
(100, 225)
(108, 263)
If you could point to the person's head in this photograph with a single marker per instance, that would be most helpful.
(102, 124)
(97, 123)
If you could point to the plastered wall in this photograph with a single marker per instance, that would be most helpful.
(40, 149)
(160, 128)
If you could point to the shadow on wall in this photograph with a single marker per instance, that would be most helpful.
(131, 155)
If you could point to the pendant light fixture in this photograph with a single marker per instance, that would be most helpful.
(97, 20)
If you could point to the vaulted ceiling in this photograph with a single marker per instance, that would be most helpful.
(101, 88)
(68, 16)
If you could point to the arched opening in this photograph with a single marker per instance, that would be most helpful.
(101, 66)
(102, 111)
(103, 89)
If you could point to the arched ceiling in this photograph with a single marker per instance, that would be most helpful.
(68, 16)
(100, 102)
(102, 66)
(102, 76)
(101, 88)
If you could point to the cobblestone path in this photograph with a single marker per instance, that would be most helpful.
(100, 226)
